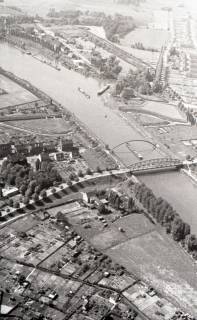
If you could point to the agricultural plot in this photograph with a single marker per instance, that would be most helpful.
(158, 260)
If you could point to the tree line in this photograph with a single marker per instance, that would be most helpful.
(159, 209)
(166, 216)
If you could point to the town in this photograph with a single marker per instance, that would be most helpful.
(98, 142)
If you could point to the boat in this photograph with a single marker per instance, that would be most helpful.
(81, 90)
(103, 90)
(84, 93)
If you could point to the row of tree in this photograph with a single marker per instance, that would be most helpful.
(165, 215)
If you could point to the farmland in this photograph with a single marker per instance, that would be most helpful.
(157, 259)
(143, 249)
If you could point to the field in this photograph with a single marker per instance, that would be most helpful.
(133, 226)
(146, 119)
(163, 109)
(43, 126)
(145, 250)
(15, 93)
(173, 136)
(148, 37)
(158, 260)
(97, 159)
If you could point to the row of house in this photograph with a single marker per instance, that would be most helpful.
(35, 148)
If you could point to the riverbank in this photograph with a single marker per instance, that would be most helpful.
(49, 56)
(107, 99)
(83, 132)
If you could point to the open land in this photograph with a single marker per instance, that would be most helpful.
(15, 95)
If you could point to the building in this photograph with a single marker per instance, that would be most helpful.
(60, 156)
(68, 146)
(5, 149)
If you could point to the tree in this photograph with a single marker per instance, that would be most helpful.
(71, 176)
(53, 190)
(11, 179)
(187, 229)
(10, 202)
(26, 201)
(17, 205)
(178, 227)
(157, 87)
(69, 183)
(28, 192)
(98, 169)
(80, 173)
(191, 242)
(35, 197)
(43, 194)
(130, 203)
(38, 164)
(88, 171)
(101, 208)
(32, 185)
(117, 202)
(37, 189)
(23, 189)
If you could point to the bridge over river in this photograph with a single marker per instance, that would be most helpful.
(156, 165)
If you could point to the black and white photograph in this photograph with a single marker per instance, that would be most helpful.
(98, 159)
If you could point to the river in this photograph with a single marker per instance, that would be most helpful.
(62, 86)
(104, 122)
(178, 189)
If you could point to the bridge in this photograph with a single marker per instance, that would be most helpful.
(153, 145)
(158, 164)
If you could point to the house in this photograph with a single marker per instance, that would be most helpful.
(60, 156)
(5, 149)
(85, 197)
(44, 156)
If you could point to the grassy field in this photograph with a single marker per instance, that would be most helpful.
(158, 260)
(43, 126)
(133, 226)
(15, 93)
(148, 37)
(164, 109)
